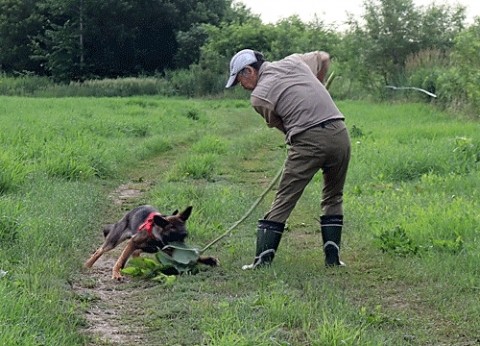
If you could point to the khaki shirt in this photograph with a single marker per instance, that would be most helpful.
(289, 96)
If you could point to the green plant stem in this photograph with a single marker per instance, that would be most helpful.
(247, 214)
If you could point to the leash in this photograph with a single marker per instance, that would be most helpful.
(247, 214)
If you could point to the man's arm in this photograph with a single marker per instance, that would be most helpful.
(324, 65)
(318, 62)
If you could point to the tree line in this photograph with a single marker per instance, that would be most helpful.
(189, 42)
(80, 39)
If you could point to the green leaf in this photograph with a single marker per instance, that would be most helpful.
(165, 259)
(170, 279)
(165, 279)
(183, 259)
(142, 262)
(183, 254)
(132, 271)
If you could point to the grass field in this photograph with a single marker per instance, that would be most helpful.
(410, 242)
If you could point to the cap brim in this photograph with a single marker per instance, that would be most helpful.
(232, 81)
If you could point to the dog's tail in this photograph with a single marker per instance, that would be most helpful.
(107, 229)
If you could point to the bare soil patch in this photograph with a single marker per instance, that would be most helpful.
(110, 301)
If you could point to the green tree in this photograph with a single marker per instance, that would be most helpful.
(291, 35)
(392, 30)
(110, 38)
(460, 84)
(225, 40)
(19, 21)
(288, 36)
(191, 40)
(439, 25)
(208, 75)
(375, 51)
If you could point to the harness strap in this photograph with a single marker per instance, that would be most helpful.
(148, 224)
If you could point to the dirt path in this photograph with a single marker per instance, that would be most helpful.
(109, 301)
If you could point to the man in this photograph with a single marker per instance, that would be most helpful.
(289, 94)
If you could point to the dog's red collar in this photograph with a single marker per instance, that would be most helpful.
(148, 224)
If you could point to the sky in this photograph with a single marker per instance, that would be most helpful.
(334, 11)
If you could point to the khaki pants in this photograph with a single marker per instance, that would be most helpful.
(326, 148)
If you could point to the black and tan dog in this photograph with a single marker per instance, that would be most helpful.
(147, 231)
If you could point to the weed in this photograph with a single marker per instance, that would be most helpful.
(192, 114)
(356, 132)
(210, 144)
(448, 245)
(397, 241)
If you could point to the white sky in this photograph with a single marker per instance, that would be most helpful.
(334, 11)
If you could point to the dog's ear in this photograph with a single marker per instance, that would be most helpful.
(186, 213)
(175, 212)
(160, 221)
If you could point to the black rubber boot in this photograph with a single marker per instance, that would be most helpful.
(331, 226)
(269, 234)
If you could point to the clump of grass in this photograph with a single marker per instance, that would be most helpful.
(397, 241)
(12, 172)
(192, 114)
(210, 144)
(356, 132)
(75, 160)
(158, 145)
(196, 166)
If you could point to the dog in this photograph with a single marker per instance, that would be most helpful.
(147, 231)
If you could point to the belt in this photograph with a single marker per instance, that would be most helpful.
(329, 121)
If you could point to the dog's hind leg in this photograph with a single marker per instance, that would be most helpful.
(114, 234)
(97, 254)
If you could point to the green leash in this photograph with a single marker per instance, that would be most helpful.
(247, 214)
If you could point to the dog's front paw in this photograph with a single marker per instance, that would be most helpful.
(209, 261)
(117, 276)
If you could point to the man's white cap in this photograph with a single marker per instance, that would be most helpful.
(239, 61)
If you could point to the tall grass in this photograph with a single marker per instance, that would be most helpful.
(45, 87)
(410, 239)
(42, 235)
(71, 139)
